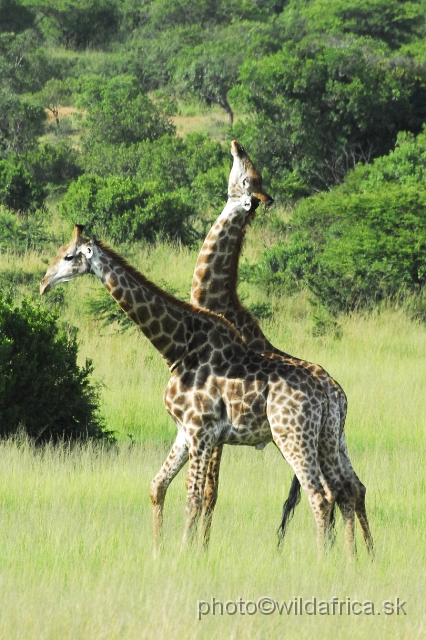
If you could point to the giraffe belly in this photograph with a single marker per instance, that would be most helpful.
(248, 422)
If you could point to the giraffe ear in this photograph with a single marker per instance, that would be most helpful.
(87, 250)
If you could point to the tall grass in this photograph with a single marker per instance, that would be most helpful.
(76, 554)
(75, 535)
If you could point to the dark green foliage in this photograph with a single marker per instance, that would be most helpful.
(322, 106)
(151, 56)
(54, 164)
(118, 113)
(166, 14)
(43, 391)
(366, 240)
(78, 25)
(208, 72)
(195, 169)
(196, 164)
(15, 17)
(391, 21)
(21, 123)
(124, 210)
(19, 190)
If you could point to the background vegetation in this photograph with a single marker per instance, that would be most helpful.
(126, 127)
(316, 90)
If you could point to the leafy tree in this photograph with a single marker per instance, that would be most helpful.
(54, 94)
(21, 234)
(78, 24)
(15, 16)
(321, 107)
(208, 72)
(21, 123)
(54, 164)
(364, 241)
(42, 389)
(19, 190)
(169, 164)
(122, 114)
(391, 21)
(124, 210)
(168, 14)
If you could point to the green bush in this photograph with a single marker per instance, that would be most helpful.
(169, 165)
(54, 164)
(19, 189)
(124, 210)
(77, 24)
(23, 233)
(21, 122)
(320, 105)
(43, 391)
(364, 241)
(353, 250)
(117, 112)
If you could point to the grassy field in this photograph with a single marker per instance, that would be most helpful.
(76, 545)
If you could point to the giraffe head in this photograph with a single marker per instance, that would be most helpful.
(72, 260)
(244, 177)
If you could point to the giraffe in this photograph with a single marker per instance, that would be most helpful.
(214, 287)
(219, 392)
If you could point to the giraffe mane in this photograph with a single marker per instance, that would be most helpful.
(140, 278)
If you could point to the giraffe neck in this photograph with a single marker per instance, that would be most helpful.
(163, 319)
(214, 285)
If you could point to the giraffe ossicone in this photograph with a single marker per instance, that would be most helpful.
(220, 392)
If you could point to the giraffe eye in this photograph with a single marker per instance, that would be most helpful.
(246, 183)
(69, 257)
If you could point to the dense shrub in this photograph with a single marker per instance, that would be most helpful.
(54, 164)
(19, 189)
(124, 210)
(21, 123)
(43, 391)
(169, 166)
(22, 233)
(118, 112)
(81, 24)
(364, 241)
(319, 106)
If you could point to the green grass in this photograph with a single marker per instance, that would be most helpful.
(75, 537)
(76, 550)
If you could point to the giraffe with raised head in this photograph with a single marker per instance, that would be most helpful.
(214, 287)
(220, 391)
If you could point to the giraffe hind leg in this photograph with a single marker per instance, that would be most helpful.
(312, 481)
(360, 491)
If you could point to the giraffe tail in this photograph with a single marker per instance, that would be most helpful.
(288, 509)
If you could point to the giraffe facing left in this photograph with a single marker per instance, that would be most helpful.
(220, 392)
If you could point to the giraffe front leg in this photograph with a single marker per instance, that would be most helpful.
(199, 459)
(174, 462)
(210, 495)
